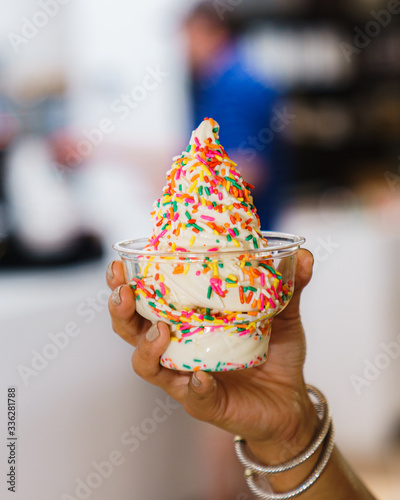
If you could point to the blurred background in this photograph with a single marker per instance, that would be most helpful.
(95, 99)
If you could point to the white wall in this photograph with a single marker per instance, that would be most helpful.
(109, 51)
(350, 310)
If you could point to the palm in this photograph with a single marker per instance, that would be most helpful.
(265, 389)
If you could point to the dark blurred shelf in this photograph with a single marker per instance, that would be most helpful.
(341, 12)
(314, 92)
(366, 99)
(85, 248)
(367, 147)
(364, 82)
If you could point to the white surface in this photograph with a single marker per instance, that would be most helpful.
(349, 309)
(114, 60)
(80, 407)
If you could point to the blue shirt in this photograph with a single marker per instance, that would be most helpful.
(243, 107)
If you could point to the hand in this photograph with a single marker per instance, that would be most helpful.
(267, 404)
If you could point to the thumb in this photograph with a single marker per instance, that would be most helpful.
(305, 261)
(304, 268)
(202, 401)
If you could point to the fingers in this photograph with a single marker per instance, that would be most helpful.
(196, 391)
(146, 362)
(146, 358)
(125, 321)
(115, 274)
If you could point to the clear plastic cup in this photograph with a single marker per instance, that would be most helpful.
(219, 305)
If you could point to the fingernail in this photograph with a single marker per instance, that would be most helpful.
(195, 381)
(110, 274)
(152, 333)
(116, 296)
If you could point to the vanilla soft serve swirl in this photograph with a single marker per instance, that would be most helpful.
(219, 299)
(211, 204)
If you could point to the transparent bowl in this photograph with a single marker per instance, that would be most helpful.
(219, 305)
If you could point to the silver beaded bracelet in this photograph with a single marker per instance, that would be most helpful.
(326, 433)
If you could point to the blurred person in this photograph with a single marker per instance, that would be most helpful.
(38, 207)
(222, 87)
(267, 405)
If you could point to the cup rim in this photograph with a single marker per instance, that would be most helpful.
(293, 243)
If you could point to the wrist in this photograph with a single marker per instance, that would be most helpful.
(293, 463)
(301, 425)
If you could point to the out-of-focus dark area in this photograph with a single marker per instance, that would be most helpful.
(95, 99)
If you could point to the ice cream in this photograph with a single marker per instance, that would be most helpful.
(206, 269)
